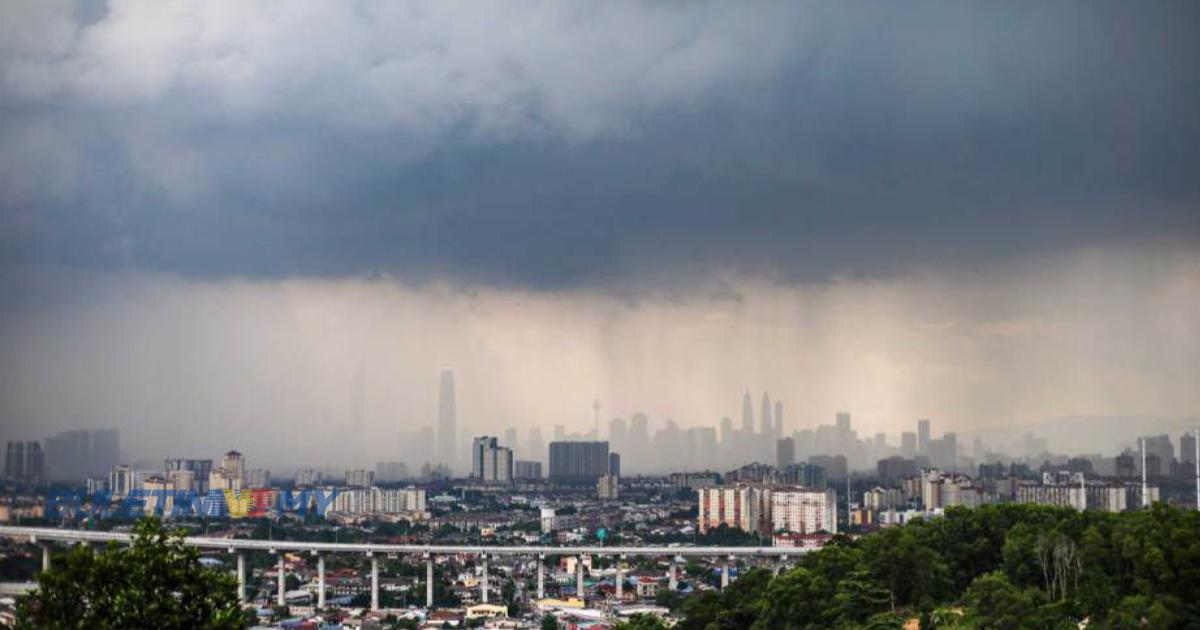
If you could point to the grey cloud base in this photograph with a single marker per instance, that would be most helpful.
(603, 145)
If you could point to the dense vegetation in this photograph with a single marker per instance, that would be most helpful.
(998, 567)
(156, 582)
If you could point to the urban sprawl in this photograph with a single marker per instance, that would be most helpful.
(744, 486)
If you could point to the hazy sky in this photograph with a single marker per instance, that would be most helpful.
(214, 215)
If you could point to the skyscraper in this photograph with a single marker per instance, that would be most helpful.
(843, 422)
(537, 447)
(578, 462)
(950, 440)
(478, 446)
(785, 452)
(726, 432)
(638, 453)
(747, 413)
(1187, 448)
(617, 433)
(510, 438)
(76, 455)
(490, 462)
(923, 437)
(908, 444)
(234, 465)
(778, 419)
(24, 461)
(447, 420)
(768, 426)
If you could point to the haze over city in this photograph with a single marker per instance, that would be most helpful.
(600, 315)
(218, 231)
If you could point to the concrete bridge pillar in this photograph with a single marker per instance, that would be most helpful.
(45, 557)
(541, 570)
(672, 581)
(280, 599)
(620, 577)
(725, 573)
(374, 580)
(483, 583)
(428, 581)
(320, 580)
(579, 576)
(241, 576)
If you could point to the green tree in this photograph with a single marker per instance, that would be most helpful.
(156, 582)
(549, 623)
(995, 603)
(669, 599)
(642, 622)
(792, 600)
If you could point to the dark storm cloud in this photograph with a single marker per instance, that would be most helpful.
(549, 146)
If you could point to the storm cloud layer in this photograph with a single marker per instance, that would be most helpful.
(213, 215)
(551, 145)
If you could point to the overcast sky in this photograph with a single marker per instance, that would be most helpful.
(214, 214)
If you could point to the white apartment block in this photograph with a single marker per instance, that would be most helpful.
(742, 506)
(803, 510)
(379, 501)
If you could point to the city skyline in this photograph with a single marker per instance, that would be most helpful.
(1002, 234)
(621, 314)
(729, 446)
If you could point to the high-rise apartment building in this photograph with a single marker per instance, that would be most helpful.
(608, 487)
(379, 501)
(390, 472)
(234, 466)
(742, 506)
(181, 480)
(1161, 446)
(24, 461)
(498, 465)
(258, 478)
(490, 462)
(360, 478)
(306, 477)
(803, 510)
(578, 462)
(121, 481)
(1187, 448)
(527, 470)
(201, 469)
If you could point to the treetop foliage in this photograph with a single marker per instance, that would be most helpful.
(997, 567)
(155, 582)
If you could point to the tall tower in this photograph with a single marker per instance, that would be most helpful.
(447, 420)
(922, 437)
(768, 427)
(747, 413)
